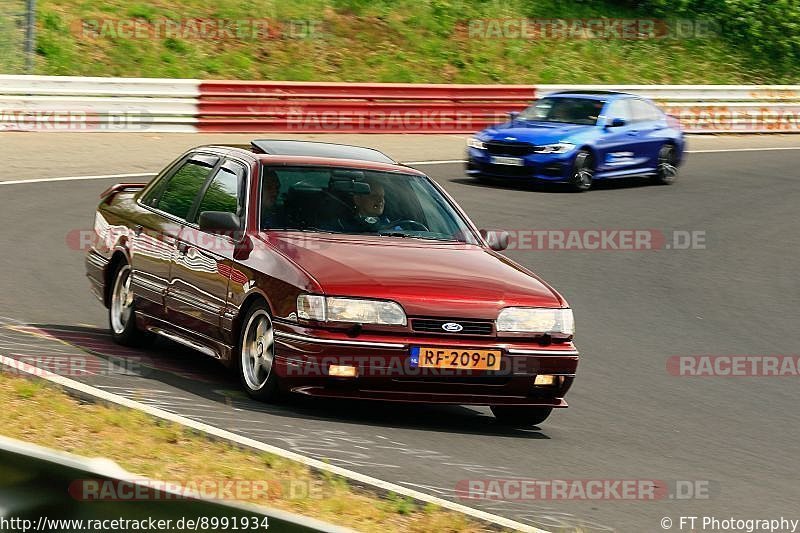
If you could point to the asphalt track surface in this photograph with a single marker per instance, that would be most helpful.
(628, 417)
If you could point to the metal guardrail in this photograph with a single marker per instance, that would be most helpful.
(73, 103)
(38, 485)
(98, 86)
(162, 105)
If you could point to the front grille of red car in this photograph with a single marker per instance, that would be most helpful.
(435, 325)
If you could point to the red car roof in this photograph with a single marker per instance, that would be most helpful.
(335, 162)
(304, 160)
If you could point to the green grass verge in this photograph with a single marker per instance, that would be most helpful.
(422, 41)
(35, 412)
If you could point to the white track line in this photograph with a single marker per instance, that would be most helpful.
(79, 178)
(442, 162)
(742, 150)
(418, 163)
(19, 366)
(769, 149)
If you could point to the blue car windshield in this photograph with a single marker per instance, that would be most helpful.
(564, 109)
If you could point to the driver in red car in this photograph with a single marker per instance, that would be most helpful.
(366, 211)
(369, 207)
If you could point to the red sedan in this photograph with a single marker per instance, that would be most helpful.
(330, 271)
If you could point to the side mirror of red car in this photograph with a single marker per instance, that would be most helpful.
(219, 222)
(243, 248)
(496, 239)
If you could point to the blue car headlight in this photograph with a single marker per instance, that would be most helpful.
(556, 148)
(473, 142)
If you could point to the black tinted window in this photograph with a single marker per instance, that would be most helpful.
(223, 193)
(180, 193)
(564, 109)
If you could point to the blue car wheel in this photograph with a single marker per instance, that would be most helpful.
(667, 169)
(582, 172)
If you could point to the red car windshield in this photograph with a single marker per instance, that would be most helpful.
(356, 201)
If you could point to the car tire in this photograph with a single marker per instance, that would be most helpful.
(582, 172)
(121, 307)
(524, 416)
(255, 355)
(666, 169)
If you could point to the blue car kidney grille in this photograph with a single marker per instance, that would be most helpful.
(509, 149)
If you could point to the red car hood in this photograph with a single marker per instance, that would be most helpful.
(427, 278)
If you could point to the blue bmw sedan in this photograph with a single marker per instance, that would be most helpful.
(579, 137)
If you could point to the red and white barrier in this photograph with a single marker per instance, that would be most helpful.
(54, 103)
(356, 107)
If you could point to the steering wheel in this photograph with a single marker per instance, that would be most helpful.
(413, 225)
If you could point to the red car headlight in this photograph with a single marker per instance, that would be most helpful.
(354, 310)
(537, 320)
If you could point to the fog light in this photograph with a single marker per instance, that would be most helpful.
(342, 371)
(544, 380)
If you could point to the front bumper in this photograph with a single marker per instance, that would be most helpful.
(546, 167)
(304, 356)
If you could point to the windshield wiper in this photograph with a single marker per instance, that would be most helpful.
(412, 236)
(379, 233)
(397, 234)
(307, 230)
